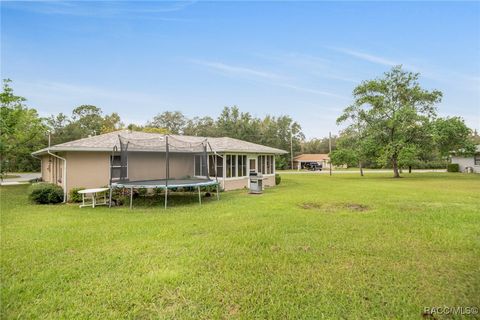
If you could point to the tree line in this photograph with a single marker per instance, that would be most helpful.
(392, 122)
(24, 131)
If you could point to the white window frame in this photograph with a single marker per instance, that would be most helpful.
(195, 166)
(237, 155)
(264, 167)
(222, 159)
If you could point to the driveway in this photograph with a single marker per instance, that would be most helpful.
(23, 178)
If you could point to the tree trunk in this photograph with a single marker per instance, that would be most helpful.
(361, 167)
(409, 169)
(396, 173)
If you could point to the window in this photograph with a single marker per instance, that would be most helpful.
(265, 164)
(211, 162)
(476, 160)
(231, 166)
(200, 166)
(242, 166)
(116, 164)
(272, 165)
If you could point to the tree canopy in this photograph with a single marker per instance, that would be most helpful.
(21, 132)
(394, 120)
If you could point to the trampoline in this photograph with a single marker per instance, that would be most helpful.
(167, 145)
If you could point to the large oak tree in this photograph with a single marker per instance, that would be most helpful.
(396, 113)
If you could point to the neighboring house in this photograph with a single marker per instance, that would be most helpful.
(300, 162)
(466, 162)
(87, 162)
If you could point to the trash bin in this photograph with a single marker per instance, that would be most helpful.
(256, 183)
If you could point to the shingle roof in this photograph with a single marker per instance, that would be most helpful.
(311, 157)
(106, 142)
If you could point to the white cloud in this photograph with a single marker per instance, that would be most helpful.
(238, 71)
(261, 75)
(101, 9)
(366, 56)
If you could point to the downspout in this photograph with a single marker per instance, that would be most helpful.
(64, 174)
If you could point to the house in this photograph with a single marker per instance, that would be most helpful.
(88, 162)
(467, 163)
(301, 161)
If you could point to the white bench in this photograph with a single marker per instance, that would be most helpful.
(93, 194)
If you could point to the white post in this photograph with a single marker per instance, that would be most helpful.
(199, 195)
(330, 150)
(166, 197)
(131, 198)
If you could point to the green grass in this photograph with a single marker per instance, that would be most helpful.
(9, 176)
(305, 249)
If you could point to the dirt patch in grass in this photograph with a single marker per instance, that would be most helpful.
(333, 207)
(311, 205)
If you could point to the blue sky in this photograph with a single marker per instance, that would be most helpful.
(296, 58)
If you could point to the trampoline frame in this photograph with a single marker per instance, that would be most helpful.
(142, 184)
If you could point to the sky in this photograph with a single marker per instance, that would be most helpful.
(302, 59)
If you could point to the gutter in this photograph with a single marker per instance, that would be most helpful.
(64, 174)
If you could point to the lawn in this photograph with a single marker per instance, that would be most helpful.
(313, 247)
(9, 176)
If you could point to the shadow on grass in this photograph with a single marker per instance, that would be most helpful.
(174, 199)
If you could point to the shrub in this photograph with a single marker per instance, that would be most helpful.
(278, 179)
(74, 196)
(45, 193)
(453, 167)
(142, 192)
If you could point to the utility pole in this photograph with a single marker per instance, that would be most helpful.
(330, 150)
(49, 138)
(291, 148)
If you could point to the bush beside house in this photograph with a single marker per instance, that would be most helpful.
(46, 193)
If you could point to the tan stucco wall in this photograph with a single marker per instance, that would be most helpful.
(92, 169)
(87, 169)
(46, 174)
(149, 166)
(268, 181)
(52, 169)
(234, 184)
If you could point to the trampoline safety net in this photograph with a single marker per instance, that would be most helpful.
(167, 150)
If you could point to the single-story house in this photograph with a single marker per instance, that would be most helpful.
(88, 162)
(468, 162)
(300, 161)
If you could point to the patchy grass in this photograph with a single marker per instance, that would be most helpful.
(414, 243)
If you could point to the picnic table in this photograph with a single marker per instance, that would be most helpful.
(93, 194)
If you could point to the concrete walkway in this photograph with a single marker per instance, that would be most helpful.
(366, 172)
(23, 178)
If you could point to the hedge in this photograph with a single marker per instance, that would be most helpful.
(453, 167)
(46, 193)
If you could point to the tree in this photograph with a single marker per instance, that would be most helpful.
(319, 145)
(135, 127)
(21, 132)
(173, 121)
(112, 123)
(236, 124)
(89, 119)
(452, 135)
(201, 126)
(395, 112)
